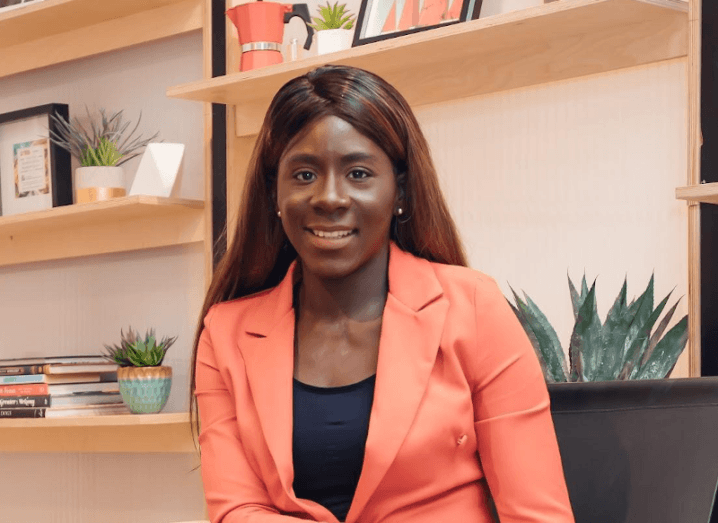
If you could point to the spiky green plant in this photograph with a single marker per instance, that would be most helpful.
(105, 143)
(333, 17)
(134, 351)
(625, 346)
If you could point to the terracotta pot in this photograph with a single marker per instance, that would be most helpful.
(145, 389)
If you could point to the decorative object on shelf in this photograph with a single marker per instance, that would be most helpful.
(382, 19)
(14, 4)
(260, 27)
(333, 28)
(101, 150)
(158, 169)
(144, 382)
(35, 174)
(624, 347)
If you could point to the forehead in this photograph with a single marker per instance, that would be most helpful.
(330, 135)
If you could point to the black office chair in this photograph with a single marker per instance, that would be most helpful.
(639, 451)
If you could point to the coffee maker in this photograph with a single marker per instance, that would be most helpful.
(260, 26)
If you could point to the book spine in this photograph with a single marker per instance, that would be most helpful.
(32, 389)
(24, 402)
(22, 413)
(21, 369)
(29, 378)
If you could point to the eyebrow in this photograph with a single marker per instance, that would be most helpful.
(314, 159)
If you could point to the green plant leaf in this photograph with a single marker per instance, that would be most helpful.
(585, 339)
(666, 353)
(658, 333)
(640, 341)
(613, 335)
(543, 337)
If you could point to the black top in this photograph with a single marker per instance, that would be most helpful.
(330, 430)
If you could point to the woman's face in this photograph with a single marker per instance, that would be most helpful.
(337, 193)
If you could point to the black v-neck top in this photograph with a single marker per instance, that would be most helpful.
(330, 430)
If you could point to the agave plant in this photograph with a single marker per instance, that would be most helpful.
(133, 351)
(333, 17)
(624, 346)
(105, 143)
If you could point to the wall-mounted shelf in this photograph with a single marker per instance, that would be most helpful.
(56, 31)
(168, 433)
(703, 193)
(122, 224)
(555, 41)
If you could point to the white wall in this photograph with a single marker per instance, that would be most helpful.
(74, 306)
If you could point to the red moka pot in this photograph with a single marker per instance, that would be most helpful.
(260, 26)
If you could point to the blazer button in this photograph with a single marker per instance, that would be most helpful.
(462, 439)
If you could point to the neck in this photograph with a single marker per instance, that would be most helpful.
(360, 296)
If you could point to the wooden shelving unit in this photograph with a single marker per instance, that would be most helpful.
(556, 41)
(56, 31)
(166, 433)
(703, 193)
(122, 224)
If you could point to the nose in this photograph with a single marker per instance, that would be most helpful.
(330, 193)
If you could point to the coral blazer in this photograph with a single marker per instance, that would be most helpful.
(460, 402)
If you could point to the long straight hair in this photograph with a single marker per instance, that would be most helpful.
(260, 253)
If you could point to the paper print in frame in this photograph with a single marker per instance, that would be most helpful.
(35, 174)
(382, 19)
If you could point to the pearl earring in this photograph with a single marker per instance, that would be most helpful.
(279, 213)
(400, 211)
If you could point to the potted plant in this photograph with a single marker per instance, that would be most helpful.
(625, 346)
(144, 382)
(333, 27)
(101, 150)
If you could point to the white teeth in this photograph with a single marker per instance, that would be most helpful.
(332, 234)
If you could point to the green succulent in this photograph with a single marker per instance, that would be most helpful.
(106, 142)
(333, 17)
(625, 346)
(134, 351)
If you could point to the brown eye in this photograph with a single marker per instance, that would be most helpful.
(305, 176)
(359, 174)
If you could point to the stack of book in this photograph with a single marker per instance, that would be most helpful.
(57, 387)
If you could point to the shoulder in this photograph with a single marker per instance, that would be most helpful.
(466, 283)
(232, 312)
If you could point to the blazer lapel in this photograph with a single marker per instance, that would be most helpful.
(412, 325)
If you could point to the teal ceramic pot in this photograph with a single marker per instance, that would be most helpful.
(145, 389)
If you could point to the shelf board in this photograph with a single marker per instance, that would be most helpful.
(703, 193)
(121, 224)
(167, 433)
(56, 31)
(555, 41)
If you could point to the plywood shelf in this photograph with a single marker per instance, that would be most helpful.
(555, 41)
(56, 31)
(122, 224)
(167, 433)
(703, 193)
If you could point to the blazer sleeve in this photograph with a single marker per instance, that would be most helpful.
(515, 434)
(234, 492)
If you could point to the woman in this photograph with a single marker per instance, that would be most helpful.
(349, 366)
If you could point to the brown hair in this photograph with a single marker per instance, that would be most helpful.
(260, 254)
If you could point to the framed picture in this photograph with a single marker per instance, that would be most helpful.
(35, 174)
(382, 19)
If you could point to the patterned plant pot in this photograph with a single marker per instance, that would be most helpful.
(145, 389)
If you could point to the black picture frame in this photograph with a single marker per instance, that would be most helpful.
(38, 118)
(470, 10)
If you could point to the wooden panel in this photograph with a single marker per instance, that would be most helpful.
(78, 39)
(701, 193)
(121, 433)
(207, 148)
(551, 42)
(123, 224)
(694, 178)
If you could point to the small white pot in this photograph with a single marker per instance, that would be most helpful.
(333, 40)
(99, 183)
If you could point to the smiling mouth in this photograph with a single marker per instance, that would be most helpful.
(331, 235)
